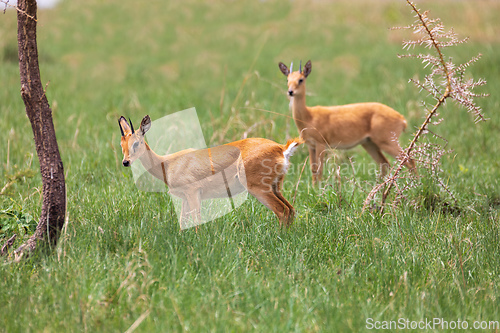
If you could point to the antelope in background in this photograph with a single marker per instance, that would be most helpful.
(255, 164)
(374, 126)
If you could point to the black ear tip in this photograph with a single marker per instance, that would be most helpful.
(120, 124)
(131, 126)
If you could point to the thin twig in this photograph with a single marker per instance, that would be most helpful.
(7, 245)
(7, 4)
(138, 321)
(298, 181)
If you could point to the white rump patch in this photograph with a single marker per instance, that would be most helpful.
(287, 154)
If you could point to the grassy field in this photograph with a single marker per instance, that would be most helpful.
(123, 264)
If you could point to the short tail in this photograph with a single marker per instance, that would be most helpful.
(291, 146)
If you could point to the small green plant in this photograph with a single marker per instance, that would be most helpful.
(15, 220)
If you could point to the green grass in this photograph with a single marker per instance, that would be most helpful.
(122, 255)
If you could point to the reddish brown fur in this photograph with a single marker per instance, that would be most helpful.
(187, 173)
(374, 126)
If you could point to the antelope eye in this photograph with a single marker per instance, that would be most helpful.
(135, 145)
(301, 80)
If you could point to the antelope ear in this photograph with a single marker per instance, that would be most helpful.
(284, 69)
(145, 124)
(124, 126)
(307, 68)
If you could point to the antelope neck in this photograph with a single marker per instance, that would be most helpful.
(154, 164)
(300, 112)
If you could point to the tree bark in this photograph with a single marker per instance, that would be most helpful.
(39, 113)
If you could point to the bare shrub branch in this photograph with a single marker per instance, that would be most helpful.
(7, 4)
(445, 80)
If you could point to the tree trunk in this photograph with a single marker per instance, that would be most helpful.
(40, 115)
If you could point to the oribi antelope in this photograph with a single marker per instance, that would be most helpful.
(374, 126)
(255, 164)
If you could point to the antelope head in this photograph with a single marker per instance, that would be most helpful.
(132, 142)
(296, 80)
